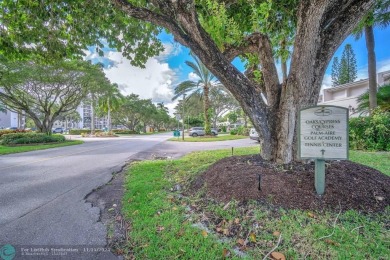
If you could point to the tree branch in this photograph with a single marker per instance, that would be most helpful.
(250, 44)
(154, 18)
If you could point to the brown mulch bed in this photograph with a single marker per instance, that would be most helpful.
(349, 185)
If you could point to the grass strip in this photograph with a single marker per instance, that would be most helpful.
(27, 148)
(207, 138)
(376, 160)
(165, 225)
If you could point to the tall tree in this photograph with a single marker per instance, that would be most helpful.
(110, 100)
(335, 72)
(348, 69)
(44, 92)
(378, 16)
(133, 112)
(240, 29)
(193, 106)
(206, 80)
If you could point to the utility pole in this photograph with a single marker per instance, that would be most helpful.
(183, 117)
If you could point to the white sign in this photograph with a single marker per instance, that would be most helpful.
(323, 133)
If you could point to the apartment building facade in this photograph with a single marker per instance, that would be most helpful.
(346, 95)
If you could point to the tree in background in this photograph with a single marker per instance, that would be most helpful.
(70, 119)
(378, 16)
(335, 72)
(110, 100)
(135, 113)
(232, 116)
(348, 69)
(99, 87)
(161, 118)
(45, 92)
(221, 102)
(193, 106)
(202, 87)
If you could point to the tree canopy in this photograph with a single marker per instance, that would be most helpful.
(53, 29)
(348, 69)
(45, 92)
(205, 83)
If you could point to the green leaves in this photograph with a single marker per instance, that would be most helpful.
(348, 69)
(55, 29)
(46, 92)
(216, 21)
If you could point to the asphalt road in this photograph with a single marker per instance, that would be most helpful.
(42, 193)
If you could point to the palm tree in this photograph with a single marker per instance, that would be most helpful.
(109, 101)
(162, 107)
(383, 98)
(201, 87)
(379, 16)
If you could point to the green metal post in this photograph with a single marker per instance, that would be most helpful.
(319, 177)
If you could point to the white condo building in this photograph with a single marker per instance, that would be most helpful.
(346, 95)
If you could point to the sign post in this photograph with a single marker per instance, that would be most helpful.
(323, 135)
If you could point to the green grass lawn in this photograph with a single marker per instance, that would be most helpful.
(207, 138)
(165, 226)
(148, 133)
(27, 148)
(376, 160)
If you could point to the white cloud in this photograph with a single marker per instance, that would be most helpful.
(383, 65)
(170, 49)
(171, 107)
(327, 81)
(193, 77)
(154, 81)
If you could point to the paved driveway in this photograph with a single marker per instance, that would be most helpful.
(42, 192)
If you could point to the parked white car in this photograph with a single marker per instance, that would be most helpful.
(254, 135)
(199, 131)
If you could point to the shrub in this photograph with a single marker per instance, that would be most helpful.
(11, 131)
(243, 131)
(124, 131)
(105, 134)
(82, 131)
(233, 132)
(31, 138)
(370, 133)
(223, 128)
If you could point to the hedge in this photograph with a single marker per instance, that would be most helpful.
(30, 138)
(82, 131)
(124, 131)
(11, 131)
(370, 133)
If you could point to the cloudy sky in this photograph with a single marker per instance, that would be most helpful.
(164, 72)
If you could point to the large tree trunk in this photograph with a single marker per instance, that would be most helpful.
(372, 83)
